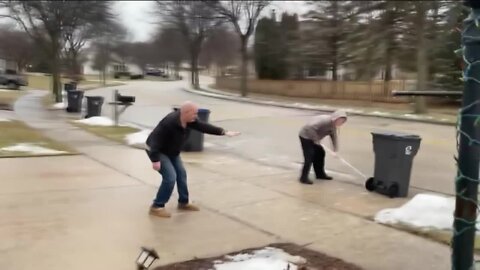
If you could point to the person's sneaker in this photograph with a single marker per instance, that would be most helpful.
(325, 177)
(306, 181)
(188, 207)
(159, 212)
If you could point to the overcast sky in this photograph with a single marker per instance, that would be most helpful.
(138, 17)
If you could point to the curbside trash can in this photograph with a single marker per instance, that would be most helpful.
(74, 98)
(70, 86)
(94, 106)
(195, 139)
(394, 154)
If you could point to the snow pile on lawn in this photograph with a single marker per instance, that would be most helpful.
(264, 259)
(59, 106)
(424, 211)
(380, 113)
(4, 120)
(138, 138)
(32, 149)
(96, 121)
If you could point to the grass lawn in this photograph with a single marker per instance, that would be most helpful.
(43, 82)
(113, 133)
(8, 98)
(16, 132)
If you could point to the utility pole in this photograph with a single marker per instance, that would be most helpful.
(466, 183)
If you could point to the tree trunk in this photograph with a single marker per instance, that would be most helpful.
(195, 79)
(244, 73)
(56, 78)
(422, 58)
(390, 39)
(192, 69)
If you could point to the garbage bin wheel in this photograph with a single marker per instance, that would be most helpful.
(393, 190)
(370, 184)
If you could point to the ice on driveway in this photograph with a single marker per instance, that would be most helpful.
(268, 258)
(32, 149)
(424, 211)
(96, 121)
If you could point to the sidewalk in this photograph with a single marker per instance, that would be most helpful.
(442, 117)
(91, 210)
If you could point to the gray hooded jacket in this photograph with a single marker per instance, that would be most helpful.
(322, 125)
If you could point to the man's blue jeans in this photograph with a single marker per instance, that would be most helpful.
(172, 170)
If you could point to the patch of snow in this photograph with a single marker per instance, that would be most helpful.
(138, 138)
(4, 120)
(423, 211)
(411, 115)
(268, 258)
(380, 113)
(32, 148)
(59, 105)
(96, 121)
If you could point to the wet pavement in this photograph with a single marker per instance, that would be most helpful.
(270, 135)
(90, 211)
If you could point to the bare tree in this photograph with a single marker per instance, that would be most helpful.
(82, 29)
(195, 20)
(141, 53)
(169, 47)
(17, 45)
(243, 15)
(49, 23)
(113, 35)
(220, 49)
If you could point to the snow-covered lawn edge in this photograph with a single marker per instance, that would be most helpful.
(268, 258)
(138, 139)
(32, 150)
(96, 121)
(428, 215)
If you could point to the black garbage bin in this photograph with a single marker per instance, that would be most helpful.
(195, 139)
(70, 86)
(74, 98)
(94, 106)
(394, 154)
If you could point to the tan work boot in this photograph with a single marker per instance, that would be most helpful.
(188, 207)
(159, 212)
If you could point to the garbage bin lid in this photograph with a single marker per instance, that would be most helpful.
(394, 134)
(203, 110)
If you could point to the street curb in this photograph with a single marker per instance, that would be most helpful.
(208, 93)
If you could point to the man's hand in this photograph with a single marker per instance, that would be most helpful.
(156, 166)
(232, 133)
(334, 154)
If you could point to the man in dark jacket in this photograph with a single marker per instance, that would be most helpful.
(163, 148)
(311, 135)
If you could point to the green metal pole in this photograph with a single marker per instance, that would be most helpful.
(468, 148)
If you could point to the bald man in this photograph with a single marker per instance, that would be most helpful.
(163, 148)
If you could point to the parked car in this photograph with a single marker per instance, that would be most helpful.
(12, 80)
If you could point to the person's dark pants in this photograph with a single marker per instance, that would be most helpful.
(313, 154)
(172, 171)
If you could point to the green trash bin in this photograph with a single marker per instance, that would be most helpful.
(394, 154)
(195, 140)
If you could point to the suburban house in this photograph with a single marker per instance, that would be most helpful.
(7, 64)
(116, 65)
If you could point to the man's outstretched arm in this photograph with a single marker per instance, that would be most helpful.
(211, 129)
